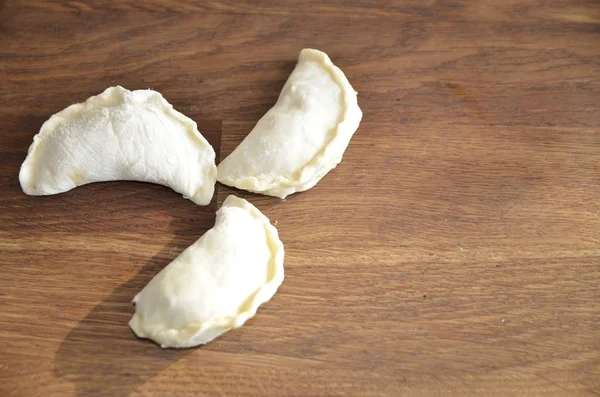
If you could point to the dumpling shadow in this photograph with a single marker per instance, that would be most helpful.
(98, 354)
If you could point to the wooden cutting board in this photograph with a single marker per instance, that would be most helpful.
(454, 252)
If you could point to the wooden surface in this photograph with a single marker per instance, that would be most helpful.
(454, 252)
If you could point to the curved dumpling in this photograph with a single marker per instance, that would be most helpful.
(216, 284)
(120, 135)
(302, 137)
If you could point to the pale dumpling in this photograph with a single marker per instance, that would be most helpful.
(302, 137)
(216, 284)
(120, 135)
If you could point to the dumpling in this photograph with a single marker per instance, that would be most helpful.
(120, 135)
(216, 284)
(302, 137)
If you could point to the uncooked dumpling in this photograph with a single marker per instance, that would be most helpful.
(120, 135)
(216, 284)
(302, 137)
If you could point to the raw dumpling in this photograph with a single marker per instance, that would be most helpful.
(216, 284)
(302, 137)
(120, 135)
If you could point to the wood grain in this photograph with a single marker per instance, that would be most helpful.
(454, 252)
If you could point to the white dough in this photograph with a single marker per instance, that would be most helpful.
(216, 284)
(120, 135)
(302, 137)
